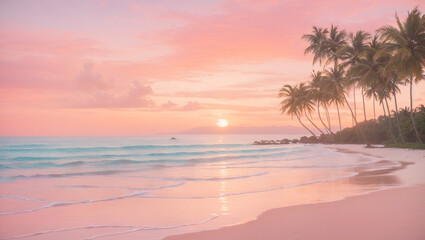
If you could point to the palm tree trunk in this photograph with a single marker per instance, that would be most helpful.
(396, 114)
(374, 120)
(339, 118)
(306, 115)
(390, 121)
(385, 115)
(355, 113)
(411, 112)
(320, 117)
(364, 106)
(299, 120)
(355, 120)
(355, 109)
(328, 118)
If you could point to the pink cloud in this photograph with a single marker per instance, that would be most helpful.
(88, 80)
(136, 97)
(191, 106)
(169, 105)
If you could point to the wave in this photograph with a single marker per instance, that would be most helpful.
(255, 191)
(3, 166)
(154, 154)
(313, 166)
(264, 160)
(208, 179)
(25, 198)
(143, 194)
(134, 229)
(131, 147)
(60, 204)
(126, 188)
(60, 175)
(24, 146)
(223, 155)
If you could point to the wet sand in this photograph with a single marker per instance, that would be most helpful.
(389, 214)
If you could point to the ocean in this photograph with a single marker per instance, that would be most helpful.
(152, 187)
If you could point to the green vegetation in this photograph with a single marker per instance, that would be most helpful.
(407, 145)
(376, 65)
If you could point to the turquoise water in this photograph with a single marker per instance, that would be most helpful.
(129, 186)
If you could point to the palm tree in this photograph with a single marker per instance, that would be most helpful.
(410, 81)
(333, 43)
(336, 82)
(406, 43)
(382, 95)
(319, 95)
(368, 71)
(394, 81)
(350, 54)
(307, 98)
(324, 46)
(292, 104)
(316, 42)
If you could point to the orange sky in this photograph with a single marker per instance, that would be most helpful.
(145, 67)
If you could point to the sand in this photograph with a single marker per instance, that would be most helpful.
(389, 214)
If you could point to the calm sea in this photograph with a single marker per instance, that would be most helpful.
(152, 187)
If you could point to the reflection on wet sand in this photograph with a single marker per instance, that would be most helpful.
(381, 176)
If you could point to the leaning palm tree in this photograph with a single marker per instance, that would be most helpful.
(336, 82)
(292, 104)
(306, 98)
(319, 95)
(335, 95)
(406, 43)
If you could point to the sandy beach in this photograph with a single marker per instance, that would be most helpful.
(397, 213)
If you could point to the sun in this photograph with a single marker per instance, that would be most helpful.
(222, 123)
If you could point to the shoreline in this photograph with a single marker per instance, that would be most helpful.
(395, 212)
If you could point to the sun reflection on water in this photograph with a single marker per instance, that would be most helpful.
(223, 200)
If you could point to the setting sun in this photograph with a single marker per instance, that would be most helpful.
(222, 123)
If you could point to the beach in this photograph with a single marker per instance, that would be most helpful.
(397, 213)
(390, 214)
(156, 188)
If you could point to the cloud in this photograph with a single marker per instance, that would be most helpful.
(191, 106)
(89, 80)
(169, 105)
(136, 97)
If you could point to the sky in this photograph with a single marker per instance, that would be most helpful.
(127, 67)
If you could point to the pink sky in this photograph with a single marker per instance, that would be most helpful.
(146, 67)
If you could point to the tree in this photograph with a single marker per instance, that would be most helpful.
(336, 82)
(333, 43)
(406, 44)
(320, 96)
(350, 54)
(292, 103)
(316, 40)
(369, 72)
